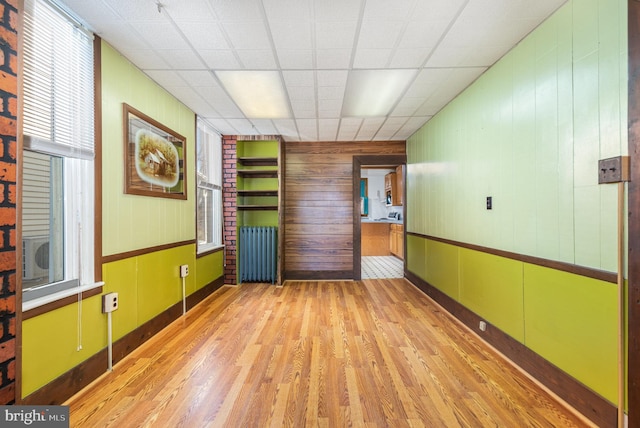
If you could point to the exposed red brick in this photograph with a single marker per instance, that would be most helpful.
(8, 350)
(12, 3)
(7, 260)
(8, 126)
(8, 171)
(8, 304)
(12, 327)
(8, 393)
(8, 83)
(13, 106)
(11, 370)
(7, 216)
(13, 279)
(13, 196)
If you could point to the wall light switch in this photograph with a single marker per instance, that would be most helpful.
(489, 202)
(613, 170)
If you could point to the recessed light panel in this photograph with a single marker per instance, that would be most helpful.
(259, 94)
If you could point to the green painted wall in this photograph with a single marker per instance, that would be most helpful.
(529, 133)
(57, 341)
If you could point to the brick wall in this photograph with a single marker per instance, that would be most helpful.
(8, 194)
(229, 203)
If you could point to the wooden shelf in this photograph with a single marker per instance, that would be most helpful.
(257, 207)
(257, 193)
(258, 173)
(254, 161)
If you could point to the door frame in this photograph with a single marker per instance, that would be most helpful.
(358, 163)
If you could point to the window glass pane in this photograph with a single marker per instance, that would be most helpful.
(42, 215)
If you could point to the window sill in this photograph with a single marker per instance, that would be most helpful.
(57, 300)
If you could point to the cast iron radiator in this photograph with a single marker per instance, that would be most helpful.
(258, 253)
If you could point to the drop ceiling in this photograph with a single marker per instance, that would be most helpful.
(314, 46)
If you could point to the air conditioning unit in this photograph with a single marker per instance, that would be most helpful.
(35, 257)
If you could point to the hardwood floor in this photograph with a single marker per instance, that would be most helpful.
(371, 353)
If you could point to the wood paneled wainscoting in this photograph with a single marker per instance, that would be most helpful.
(319, 206)
(336, 353)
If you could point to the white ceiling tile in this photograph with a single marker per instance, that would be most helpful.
(292, 35)
(231, 11)
(314, 44)
(205, 35)
(197, 11)
(123, 37)
(221, 125)
(247, 35)
(136, 10)
(332, 10)
(384, 9)
(265, 126)
(305, 94)
(220, 59)
(372, 58)
(283, 10)
(328, 129)
(332, 78)
(335, 35)
(298, 78)
(145, 58)
(333, 58)
(243, 126)
(286, 128)
(331, 93)
(408, 58)
(185, 57)
(257, 59)
(166, 77)
(379, 34)
(199, 77)
(160, 35)
(423, 35)
(407, 106)
(330, 105)
(295, 59)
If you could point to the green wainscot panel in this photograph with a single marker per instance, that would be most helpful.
(570, 320)
(55, 342)
(416, 256)
(491, 286)
(209, 268)
(442, 268)
(159, 282)
(121, 277)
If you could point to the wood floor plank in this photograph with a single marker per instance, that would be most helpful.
(367, 353)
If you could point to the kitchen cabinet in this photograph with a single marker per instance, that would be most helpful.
(394, 187)
(396, 240)
(374, 239)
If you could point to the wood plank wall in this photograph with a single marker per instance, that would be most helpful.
(318, 206)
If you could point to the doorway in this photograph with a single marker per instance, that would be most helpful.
(358, 163)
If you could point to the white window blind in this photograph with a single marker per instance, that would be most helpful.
(58, 83)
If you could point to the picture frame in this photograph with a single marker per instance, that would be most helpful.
(154, 157)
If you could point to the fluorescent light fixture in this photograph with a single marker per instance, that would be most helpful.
(259, 94)
(372, 93)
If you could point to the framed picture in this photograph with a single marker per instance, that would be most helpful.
(154, 157)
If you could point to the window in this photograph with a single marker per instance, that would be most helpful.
(58, 165)
(209, 194)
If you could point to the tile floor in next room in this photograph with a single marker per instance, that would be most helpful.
(382, 267)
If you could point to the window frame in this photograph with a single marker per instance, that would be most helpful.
(87, 281)
(202, 129)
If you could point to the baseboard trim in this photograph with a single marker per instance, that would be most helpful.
(65, 386)
(320, 275)
(586, 401)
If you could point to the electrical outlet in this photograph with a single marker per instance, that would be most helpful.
(109, 302)
(184, 271)
(483, 326)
